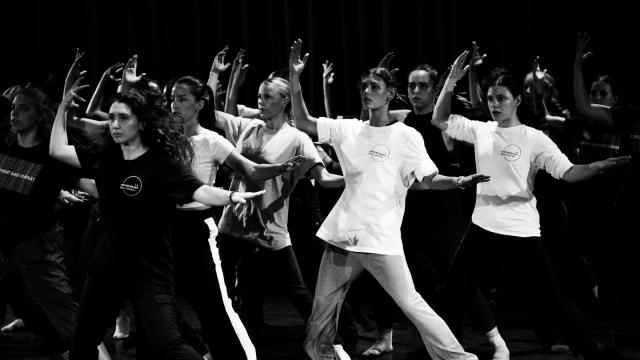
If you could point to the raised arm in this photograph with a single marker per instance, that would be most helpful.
(59, 147)
(236, 80)
(327, 80)
(74, 72)
(217, 67)
(130, 74)
(475, 93)
(93, 109)
(442, 110)
(601, 114)
(304, 121)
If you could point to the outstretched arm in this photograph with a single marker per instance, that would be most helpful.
(215, 196)
(442, 182)
(581, 172)
(304, 121)
(442, 110)
(601, 114)
(258, 172)
(327, 179)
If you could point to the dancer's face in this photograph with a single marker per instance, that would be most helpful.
(123, 124)
(601, 94)
(374, 93)
(502, 104)
(421, 90)
(270, 102)
(24, 116)
(184, 104)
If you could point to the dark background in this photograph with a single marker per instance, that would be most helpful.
(175, 38)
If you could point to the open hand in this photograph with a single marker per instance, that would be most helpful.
(241, 197)
(470, 180)
(296, 65)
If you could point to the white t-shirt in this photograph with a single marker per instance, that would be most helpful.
(266, 215)
(379, 165)
(511, 156)
(211, 150)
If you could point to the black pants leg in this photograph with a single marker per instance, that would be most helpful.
(197, 280)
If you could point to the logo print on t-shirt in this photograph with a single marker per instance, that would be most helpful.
(131, 186)
(511, 152)
(379, 152)
(18, 175)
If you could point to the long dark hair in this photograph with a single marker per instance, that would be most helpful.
(200, 92)
(158, 125)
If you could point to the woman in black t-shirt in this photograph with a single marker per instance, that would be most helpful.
(140, 177)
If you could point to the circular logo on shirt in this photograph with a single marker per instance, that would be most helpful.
(379, 152)
(511, 152)
(131, 186)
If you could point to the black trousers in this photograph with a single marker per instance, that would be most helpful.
(246, 271)
(197, 280)
(33, 281)
(155, 310)
(528, 260)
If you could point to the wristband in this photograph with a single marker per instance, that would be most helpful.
(230, 197)
(458, 182)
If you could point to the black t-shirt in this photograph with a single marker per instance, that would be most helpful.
(29, 185)
(627, 120)
(459, 161)
(137, 199)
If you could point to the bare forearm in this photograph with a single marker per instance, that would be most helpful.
(442, 109)
(580, 172)
(474, 94)
(212, 196)
(304, 121)
(59, 147)
(328, 101)
(439, 182)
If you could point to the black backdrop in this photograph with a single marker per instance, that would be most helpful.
(174, 38)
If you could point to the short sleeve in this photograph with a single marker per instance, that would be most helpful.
(331, 131)
(88, 162)
(179, 182)
(232, 125)
(220, 147)
(547, 156)
(308, 150)
(461, 128)
(419, 164)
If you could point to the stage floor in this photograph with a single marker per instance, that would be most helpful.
(283, 334)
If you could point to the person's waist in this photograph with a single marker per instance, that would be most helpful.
(194, 213)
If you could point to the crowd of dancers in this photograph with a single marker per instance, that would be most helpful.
(112, 208)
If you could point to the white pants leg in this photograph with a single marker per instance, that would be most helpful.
(338, 270)
(392, 272)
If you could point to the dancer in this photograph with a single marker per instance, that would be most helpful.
(381, 159)
(141, 177)
(505, 221)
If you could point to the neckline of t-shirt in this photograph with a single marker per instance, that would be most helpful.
(394, 122)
